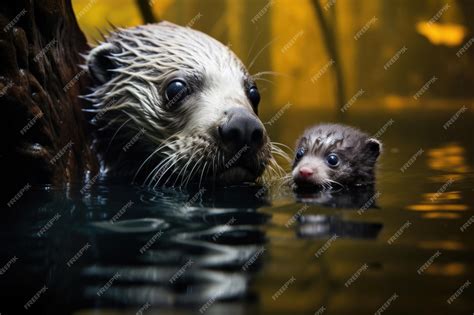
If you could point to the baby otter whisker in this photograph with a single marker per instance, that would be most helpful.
(335, 182)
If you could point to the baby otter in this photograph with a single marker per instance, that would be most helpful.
(329, 154)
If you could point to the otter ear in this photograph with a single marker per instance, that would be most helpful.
(374, 147)
(100, 64)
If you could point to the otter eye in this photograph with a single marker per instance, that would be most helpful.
(254, 96)
(300, 153)
(332, 159)
(176, 91)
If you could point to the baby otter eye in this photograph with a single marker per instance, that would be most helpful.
(176, 91)
(332, 159)
(254, 96)
(300, 153)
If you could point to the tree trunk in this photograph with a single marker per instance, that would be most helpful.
(331, 46)
(44, 133)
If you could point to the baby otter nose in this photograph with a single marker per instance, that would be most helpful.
(242, 128)
(306, 172)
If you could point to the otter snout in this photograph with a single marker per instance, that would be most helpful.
(310, 170)
(305, 172)
(241, 129)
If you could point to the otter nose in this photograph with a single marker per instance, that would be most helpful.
(306, 172)
(242, 128)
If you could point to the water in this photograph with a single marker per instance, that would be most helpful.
(121, 249)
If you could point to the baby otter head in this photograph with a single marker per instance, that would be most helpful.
(335, 154)
(193, 101)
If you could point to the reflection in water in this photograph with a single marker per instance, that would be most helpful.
(323, 226)
(158, 253)
(450, 269)
(445, 202)
(362, 197)
(118, 247)
(449, 158)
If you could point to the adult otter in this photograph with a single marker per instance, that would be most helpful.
(173, 105)
(329, 154)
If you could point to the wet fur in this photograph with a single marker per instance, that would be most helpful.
(357, 151)
(131, 69)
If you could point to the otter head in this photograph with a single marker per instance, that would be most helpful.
(335, 154)
(180, 102)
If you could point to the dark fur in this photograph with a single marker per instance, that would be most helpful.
(357, 151)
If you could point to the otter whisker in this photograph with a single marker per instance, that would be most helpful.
(260, 51)
(253, 44)
(265, 80)
(324, 186)
(202, 173)
(192, 170)
(213, 167)
(279, 171)
(284, 182)
(172, 172)
(331, 181)
(183, 171)
(278, 144)
(109, 123)
(267, 175)
(171, 166)
(115, 134)
(185, 167)
(166, 144)
(162, 164)
(258, 74)
(282, 154)
(273, 172)
(335, 182)
(206, 159)
(286, 179)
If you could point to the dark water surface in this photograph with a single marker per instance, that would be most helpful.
(405, 246)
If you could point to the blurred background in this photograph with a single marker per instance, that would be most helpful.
(331, 59)
(287, 37)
